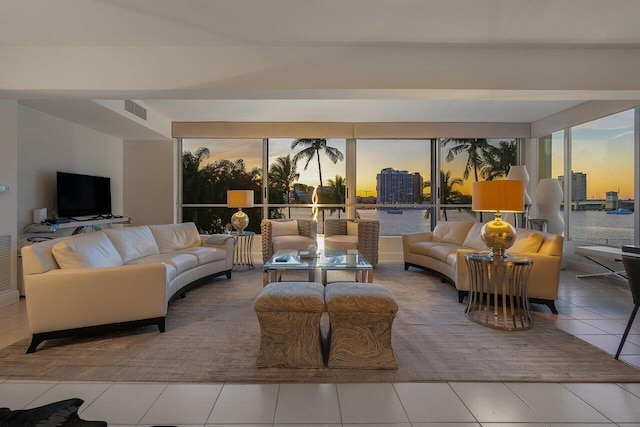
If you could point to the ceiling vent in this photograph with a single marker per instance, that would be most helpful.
(135, 109)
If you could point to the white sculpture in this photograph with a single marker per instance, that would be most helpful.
(519, 173)
(549, 199)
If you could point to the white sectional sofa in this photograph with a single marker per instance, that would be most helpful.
(443, 250)
(116, 278)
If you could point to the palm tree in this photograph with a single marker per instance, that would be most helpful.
(313, 147)
(498, 160)
(447, 193)
(336, 193)
(475, 150)
(283, 174)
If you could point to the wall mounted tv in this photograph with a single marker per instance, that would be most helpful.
(83, 195)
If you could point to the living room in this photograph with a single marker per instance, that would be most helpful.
(401, 72)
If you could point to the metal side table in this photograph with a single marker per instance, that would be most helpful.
(243, 254)
(498, 291)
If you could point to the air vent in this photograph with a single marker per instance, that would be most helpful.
(135, 109)
(5, 271)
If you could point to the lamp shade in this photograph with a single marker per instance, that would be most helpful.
(240, 198)
(498, 195)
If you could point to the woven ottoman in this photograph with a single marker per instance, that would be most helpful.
(289, 315)
(360, 318)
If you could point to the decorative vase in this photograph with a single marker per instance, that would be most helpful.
(519, 173)
(549, 199)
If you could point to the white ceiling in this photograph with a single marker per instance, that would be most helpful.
(353, 24)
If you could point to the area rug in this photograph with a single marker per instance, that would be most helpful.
(213, 336)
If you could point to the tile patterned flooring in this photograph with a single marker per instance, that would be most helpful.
(595, 310)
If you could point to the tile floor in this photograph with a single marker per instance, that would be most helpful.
(595, 310)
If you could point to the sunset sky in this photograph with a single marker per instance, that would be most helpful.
(602, 149)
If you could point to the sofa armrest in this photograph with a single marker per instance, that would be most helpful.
(462, 280)
(225, 242)
(544, 278)
(407, 239)
(73, 298)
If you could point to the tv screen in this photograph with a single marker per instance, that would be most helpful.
(83, 195)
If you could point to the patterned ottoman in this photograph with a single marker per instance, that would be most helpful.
(360, 316)
(289, 315)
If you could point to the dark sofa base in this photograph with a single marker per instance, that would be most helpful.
(37, 339)
(182, 291)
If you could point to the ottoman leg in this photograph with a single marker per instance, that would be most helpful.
(290, 340)
(361, 341)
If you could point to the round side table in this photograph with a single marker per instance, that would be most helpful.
(243, 254)
(498, 291)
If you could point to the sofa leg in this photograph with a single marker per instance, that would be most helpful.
(406, 265)
(461, 295)
(161, 324)
(228, 274)
(36, 340)
(552, 306)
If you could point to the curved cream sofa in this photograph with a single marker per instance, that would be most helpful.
(116, 278)
(443, 250)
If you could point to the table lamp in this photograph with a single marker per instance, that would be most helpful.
(240, 199)
(498, 196)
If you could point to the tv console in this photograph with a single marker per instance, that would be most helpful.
(80, 226)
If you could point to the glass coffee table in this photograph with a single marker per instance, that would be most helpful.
(324, 261)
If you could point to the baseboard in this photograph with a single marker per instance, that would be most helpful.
(9, 297)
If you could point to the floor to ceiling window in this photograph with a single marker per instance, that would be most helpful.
(602, 181)
(297, 168)
(393, 179)
(598, 178)
(210, 167)
(464, 161)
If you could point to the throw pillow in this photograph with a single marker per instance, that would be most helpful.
(172, 237)
(284, 228)
(527, 241)
(93, 250)
(133, 242)
(57, 414)
(452, 231)
(352, 228)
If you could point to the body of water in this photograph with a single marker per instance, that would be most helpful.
(594, 227)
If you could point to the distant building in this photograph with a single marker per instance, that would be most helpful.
(578, 186)
(611, 201)
(398, 187)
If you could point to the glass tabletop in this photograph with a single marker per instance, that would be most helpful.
(514, 258)
(325, 260)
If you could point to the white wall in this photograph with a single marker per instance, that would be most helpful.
(9, 200)
(149, 175)
(47, 144)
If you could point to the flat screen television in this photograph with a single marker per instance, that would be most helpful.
(83, 195)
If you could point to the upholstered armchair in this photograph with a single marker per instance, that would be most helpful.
(360, 234)
(291, 234)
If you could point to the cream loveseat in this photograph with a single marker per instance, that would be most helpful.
(443, 250)
(116, 278)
